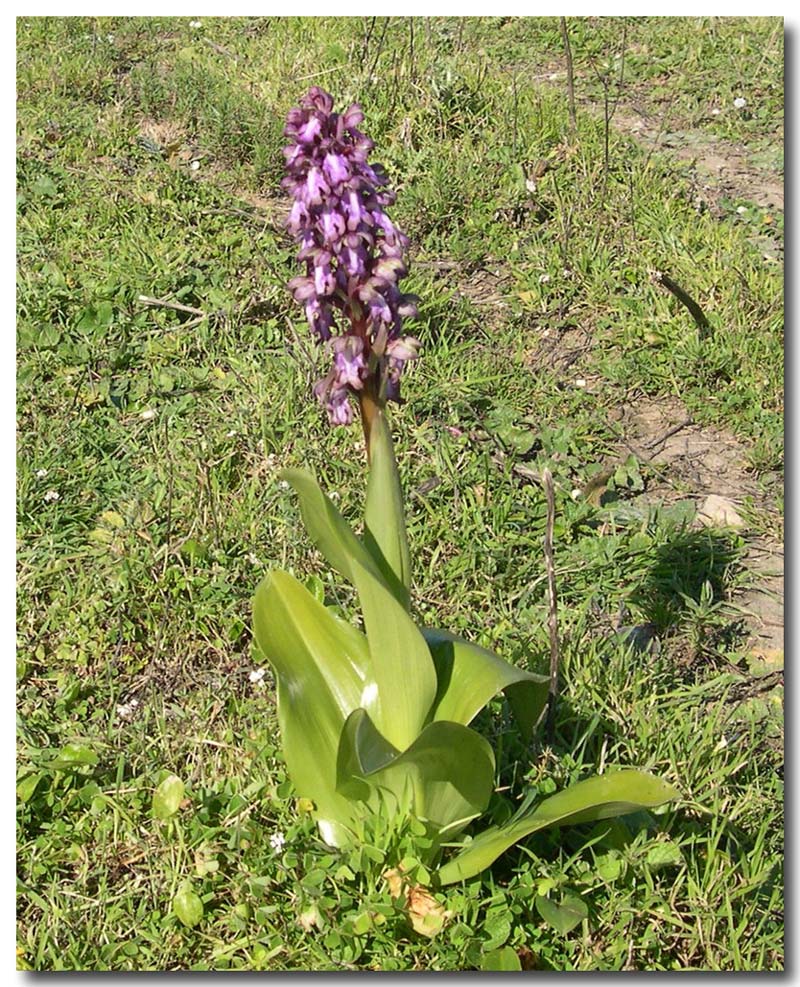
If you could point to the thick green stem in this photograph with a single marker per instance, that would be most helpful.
(371, 406)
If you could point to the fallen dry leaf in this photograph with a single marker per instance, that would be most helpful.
(426, 915)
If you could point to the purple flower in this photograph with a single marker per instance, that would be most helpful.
(352, 252)
(349, 364)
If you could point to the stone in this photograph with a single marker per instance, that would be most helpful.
(720, 512)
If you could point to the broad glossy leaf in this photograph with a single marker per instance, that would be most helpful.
(596, 798)
(28, 784)
(333, 536)
(401, 664)
(384, 517)
(74, 755)
(469, 676)
(322, 667)
(362, 750)
(326, 526)
(445, 777)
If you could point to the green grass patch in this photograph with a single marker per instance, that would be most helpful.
(149, 507)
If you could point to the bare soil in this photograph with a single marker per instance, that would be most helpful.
(697, 461)
(725, 169)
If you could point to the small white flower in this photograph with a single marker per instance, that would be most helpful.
(741, 210)
(740, 102)
(284, 484)
(575, 493)
(125, 710)
(277, 841)
(40, 474)
(195, 165)
(230, 435)
(257, 675)
(110, 38)
(716, 111)
(195, 24)
(580, 382)
(566, 273)
(147, 414)
(51, 495)
(530, 184)
(334, 495)
(253, 559)
(544, 278)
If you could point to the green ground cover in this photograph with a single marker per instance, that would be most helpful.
(148, 506)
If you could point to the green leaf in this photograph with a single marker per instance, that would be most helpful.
(663, 855)
(323, 671)
(194, 550)
(610, 866)
(596, 798)
(315, 587)
(564, 917)
(402, 668)
(74, 756)
(384, 518)
(469, 676)
(444, 778)
(28, 784)
(44, 187)
(497, 926)
(504, 960)
(362, 750)
(326, 527)
(167, 797)
(187, 905)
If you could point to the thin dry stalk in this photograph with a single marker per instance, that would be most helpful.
(573, 123)
(552, 602)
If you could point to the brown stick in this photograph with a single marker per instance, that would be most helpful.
(552, 603)
(696, 312)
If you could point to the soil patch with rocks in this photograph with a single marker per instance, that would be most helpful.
(708, 465)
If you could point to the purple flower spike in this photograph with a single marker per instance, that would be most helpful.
(353, 253)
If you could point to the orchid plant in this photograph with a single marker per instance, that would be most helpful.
(378, 721)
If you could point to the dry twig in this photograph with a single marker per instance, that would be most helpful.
(165, 303)
(684, 298)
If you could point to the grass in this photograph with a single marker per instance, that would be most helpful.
(161, 433)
